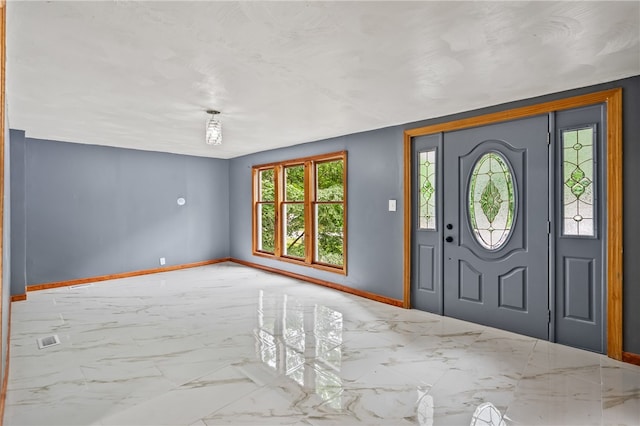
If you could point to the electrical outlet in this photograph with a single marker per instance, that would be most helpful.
(162, 261)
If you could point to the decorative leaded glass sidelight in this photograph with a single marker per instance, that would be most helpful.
(427, 189)
(492, 200)
(578, 182)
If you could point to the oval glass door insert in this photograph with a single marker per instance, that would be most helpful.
(492, 200)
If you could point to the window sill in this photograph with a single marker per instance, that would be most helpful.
(342, 270)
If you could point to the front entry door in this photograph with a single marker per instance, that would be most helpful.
(495, 219)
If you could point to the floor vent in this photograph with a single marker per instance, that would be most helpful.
(79, 286)
(45, 342)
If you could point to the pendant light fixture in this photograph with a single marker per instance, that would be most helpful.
(214, 128)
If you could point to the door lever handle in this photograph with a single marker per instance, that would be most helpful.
(449, 239)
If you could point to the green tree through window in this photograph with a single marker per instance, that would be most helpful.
(294, 212)
(330, 212)
(267, 211)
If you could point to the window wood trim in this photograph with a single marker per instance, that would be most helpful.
(310, 164)
(3, 142)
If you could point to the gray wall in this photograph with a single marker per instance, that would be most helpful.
(93, 210)
(5, 298)
(375, 175)
(18, 224)
(96, 210)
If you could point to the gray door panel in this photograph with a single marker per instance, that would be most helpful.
(580, 194)
(495, 262)
(426, 290)
(505, 282)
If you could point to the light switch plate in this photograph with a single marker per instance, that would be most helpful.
(392, 205)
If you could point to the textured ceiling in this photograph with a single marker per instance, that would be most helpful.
(141, 74)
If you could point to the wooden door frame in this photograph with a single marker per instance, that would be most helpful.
(4, 337)
(613, 100)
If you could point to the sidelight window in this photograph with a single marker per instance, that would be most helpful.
(427, 189)
(578, 164)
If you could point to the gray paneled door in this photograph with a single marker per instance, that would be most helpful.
(500, 239)
(496, 204)
(580, 240)
(481, 250)
(426, 292)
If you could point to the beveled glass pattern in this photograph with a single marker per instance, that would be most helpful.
(492, 200)
(578, 182)
(427, 189)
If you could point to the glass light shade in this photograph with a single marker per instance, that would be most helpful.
(214, 131)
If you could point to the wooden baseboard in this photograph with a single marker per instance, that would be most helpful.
(361, 293)
(631, 358)
(5, 379)
(57, 284)
(18, 297)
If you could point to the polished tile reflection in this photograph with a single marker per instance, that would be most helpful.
(226, 344)
(301, 344)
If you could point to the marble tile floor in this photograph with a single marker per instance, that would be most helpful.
(227, 344)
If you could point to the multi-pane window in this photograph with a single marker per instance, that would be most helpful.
(300, 211)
